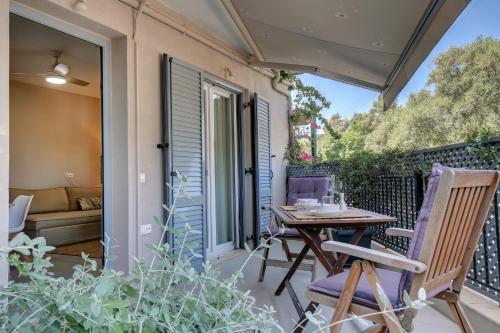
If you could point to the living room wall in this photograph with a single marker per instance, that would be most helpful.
(53, 133)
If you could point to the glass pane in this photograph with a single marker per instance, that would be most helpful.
(224, 169)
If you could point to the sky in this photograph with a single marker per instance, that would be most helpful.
(481, 17)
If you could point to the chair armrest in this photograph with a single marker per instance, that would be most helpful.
(375, 256)
(399, 232)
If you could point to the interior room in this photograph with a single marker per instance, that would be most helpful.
(56, 142)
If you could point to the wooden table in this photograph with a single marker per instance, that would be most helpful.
(310, 229)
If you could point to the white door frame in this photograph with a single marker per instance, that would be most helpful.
(214, 250)
(105, 44)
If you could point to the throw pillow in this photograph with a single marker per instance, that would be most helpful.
(89, 203)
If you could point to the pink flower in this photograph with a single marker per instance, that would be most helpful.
(305, 136)
(305, 156)
(314, 124)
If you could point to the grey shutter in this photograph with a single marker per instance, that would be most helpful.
(262, 164)
(185, 153)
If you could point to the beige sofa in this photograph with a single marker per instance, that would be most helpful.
(56, 215)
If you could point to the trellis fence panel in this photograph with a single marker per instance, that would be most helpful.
(401, 196)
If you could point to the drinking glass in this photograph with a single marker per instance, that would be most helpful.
(329, 203)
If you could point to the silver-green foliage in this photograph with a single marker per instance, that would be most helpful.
(163, 295)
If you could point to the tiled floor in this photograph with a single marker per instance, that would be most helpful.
(63, 264)
(428, 320)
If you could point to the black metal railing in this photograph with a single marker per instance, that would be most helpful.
(401, 196)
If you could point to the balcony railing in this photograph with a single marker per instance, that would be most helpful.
(401, 196)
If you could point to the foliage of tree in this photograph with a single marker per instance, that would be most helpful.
(461, 101)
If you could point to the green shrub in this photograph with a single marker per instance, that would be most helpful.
(164, 295)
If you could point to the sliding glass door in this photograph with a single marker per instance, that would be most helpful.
(221, 170)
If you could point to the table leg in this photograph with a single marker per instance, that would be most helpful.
(312, 238)
(292, 270)
(338, 267)
(301, 324)
(295, 299)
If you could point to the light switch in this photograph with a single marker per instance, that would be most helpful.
(69, 175)
(145, 229)
(142, 178)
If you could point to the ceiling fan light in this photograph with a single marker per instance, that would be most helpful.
(55, 79)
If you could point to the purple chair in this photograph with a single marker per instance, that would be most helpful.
(440, 252)
(297, 188)
(306, 188)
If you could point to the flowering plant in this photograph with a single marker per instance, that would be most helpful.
(308, 103)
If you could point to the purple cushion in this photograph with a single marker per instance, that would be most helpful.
(333, 286)
(289, 232)
(307, 188)
(421, 226)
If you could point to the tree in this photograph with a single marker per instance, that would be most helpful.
(350, 134)
(460, 100)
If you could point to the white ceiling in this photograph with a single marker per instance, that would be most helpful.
(377, 44)
(32, 46)
(357, 38)
(212, 16)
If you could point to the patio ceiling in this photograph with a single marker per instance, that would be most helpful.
(373, 44)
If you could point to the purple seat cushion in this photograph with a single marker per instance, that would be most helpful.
(420, 228)
(292, 232)
(307, 188)
(333, 285)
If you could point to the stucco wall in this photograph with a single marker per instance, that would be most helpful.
(165, 40)
(51, 133)
(113, 19)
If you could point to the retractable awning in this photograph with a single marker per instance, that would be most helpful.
(377, 44)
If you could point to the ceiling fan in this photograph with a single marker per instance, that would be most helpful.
(57, 73)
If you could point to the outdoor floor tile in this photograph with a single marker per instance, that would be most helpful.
(428, 319)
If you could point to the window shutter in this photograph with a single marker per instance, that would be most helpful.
(262, 164)
(183, 128)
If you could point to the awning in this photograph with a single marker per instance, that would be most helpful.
(377, 44)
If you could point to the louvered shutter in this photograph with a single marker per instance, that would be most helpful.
(183, 124)
(262, 164)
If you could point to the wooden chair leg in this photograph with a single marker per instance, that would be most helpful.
(263, 264)
(346, 297)
(329, 234)
(461, 320)
(390, 317)
(313, 273)
(284, 243)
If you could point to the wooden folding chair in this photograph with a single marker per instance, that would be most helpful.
(297, 188)
(442, 247)
(284, 236)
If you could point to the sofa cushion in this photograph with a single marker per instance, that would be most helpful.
(75, 193)
(44, 200)
(58, 219)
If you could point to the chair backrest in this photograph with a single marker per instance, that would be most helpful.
(18, 212)
(421, 225)
(461, 204)
(307, 188)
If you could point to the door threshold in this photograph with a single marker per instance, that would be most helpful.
(219, 259)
